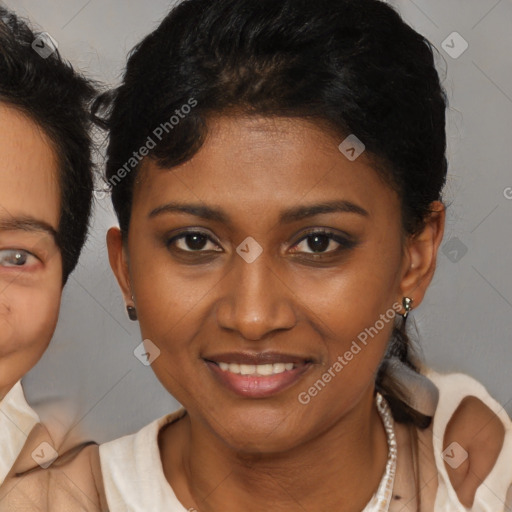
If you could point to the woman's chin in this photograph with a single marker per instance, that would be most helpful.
(261, 432)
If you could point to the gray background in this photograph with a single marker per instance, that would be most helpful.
(465, 322)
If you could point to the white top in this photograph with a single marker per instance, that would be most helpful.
(491, 494)
(17, 419)
(135, 482)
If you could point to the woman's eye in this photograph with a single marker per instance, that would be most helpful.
(15, 258)
(193, 241)
(316, 243)
(322, 242)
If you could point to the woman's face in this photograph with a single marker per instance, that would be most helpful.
(30, 262)
(256, 268)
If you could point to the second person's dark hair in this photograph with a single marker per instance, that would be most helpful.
(58, 99)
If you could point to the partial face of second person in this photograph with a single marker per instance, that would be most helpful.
(323, 276)
(30, 262)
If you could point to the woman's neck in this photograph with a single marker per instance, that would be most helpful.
(339, 470)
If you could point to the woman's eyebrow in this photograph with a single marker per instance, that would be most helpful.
(29, 224)
(287, 216)
(301, 212)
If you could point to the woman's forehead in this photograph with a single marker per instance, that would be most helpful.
(265, 164)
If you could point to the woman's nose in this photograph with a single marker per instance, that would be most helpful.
(256, 300)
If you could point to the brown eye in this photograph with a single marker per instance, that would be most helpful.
(192, 241)
(319, 241)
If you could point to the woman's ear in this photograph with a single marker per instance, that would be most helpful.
(421, 255)
(119, 263)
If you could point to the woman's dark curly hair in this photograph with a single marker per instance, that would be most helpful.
(352, 65)
(58, 99)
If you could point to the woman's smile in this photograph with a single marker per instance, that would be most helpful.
(257, 375)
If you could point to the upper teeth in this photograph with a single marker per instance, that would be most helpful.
(256, 369)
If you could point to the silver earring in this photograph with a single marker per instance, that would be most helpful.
(407, 304)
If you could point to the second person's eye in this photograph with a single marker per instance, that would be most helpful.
(16, 258)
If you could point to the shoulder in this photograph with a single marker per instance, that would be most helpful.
(473, 427)
(52, 474)
(132, 471)
(140, 447)
(476, 430)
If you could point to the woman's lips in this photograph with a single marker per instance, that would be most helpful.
(257, 375)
